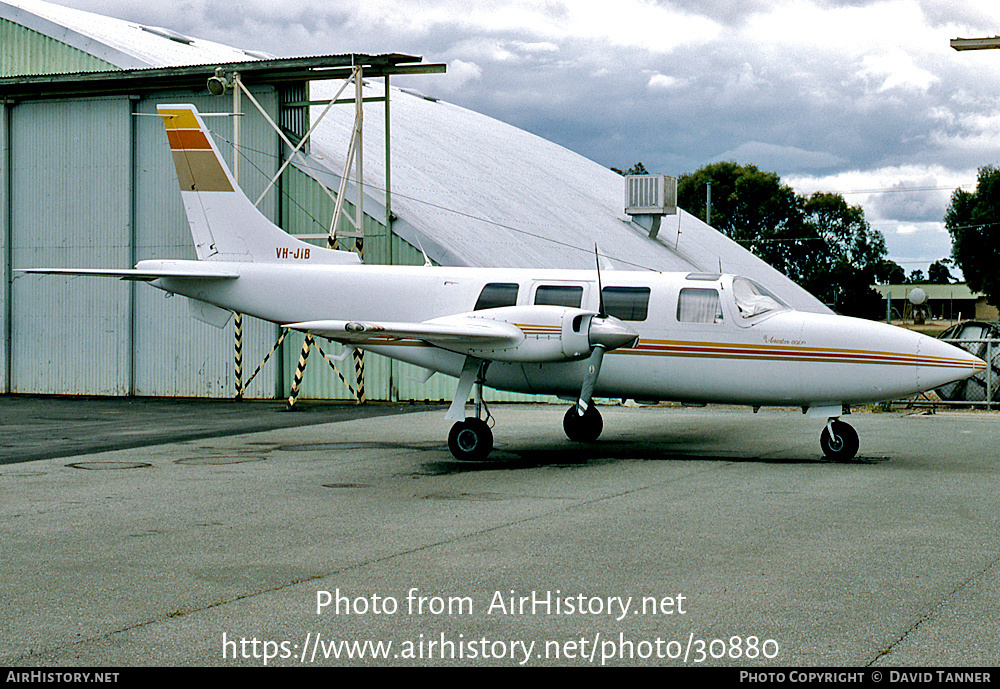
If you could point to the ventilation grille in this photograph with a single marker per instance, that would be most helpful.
(650, 195)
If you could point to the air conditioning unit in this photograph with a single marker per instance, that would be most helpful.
(650, 195)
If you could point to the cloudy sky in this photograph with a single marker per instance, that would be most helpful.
(861, 97)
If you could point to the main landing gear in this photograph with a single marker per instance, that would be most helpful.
(839, 440)
(470, 440)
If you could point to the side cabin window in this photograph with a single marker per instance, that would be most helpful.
(753, 300)
(559, 295)
(697, 305)
(626, 303)
(497, 294)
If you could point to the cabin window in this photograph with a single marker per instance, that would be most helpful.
(752, 299)
(699, 306)
(559, 295)
(626, 303)
(497, 294)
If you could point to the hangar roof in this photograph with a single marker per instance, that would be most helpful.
(467, 189)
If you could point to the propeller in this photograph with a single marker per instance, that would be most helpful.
(589, 380)
(601, 313)
(606, 332)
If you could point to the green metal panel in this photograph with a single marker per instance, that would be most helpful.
(70, 208)
(24, 51)
(6, 210)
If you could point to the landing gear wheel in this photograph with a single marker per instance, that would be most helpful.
(583, 429)
(842, 445)
(470, 440)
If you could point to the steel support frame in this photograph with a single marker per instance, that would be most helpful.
(355, 158)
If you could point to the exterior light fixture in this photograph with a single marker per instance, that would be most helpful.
(217, 84)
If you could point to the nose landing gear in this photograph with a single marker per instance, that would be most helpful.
(583, 429)
(839, 441)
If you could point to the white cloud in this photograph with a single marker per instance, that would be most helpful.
(664, 82)
(774, 157)
(896, 70)
(458, 76)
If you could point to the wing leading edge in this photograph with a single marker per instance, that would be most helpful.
(134, 273)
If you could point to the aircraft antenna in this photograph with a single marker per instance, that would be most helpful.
(601, 313)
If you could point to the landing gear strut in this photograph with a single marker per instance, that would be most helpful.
(839, 441)
(471, 439)
(583, 429)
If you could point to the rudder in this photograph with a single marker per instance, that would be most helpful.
(225, 225)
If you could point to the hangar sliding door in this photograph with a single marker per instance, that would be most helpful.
(69, 207)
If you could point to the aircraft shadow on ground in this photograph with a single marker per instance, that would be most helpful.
(564, 454)
(509, 458)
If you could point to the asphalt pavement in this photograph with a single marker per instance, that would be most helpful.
(683, 537)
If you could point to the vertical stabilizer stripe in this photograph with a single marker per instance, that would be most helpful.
(188, 139)
(200, 171)
(178, 119)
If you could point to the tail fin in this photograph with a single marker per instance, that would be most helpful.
(225, 225)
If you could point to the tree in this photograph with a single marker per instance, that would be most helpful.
(938, 273)
(853, 254)
(820, 242)
(973, 220)
(890, 273)
(637, 169)
(755, 209)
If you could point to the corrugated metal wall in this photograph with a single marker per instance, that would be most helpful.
(23, 51)
(70, 188)
(5, 213)
(94, 186)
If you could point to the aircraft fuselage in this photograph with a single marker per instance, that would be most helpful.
(723, 355)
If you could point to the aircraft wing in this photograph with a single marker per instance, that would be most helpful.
(133, 274)
(449, 332)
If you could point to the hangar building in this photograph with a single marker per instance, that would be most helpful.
(86, 180)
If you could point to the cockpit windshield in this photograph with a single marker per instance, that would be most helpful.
(753, 300)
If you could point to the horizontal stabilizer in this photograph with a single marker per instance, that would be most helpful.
(135, 274)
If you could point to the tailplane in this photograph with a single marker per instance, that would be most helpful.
(225, 225)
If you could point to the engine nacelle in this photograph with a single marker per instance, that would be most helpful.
(550, 333)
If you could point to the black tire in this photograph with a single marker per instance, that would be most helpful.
(583, 429)
(470, 440)
(843, 445)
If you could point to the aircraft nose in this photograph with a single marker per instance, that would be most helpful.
(941, 363)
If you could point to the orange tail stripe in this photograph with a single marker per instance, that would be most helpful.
(188, 140)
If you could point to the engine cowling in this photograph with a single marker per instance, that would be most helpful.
(550, 333)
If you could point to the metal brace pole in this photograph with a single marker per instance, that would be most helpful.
(238, 317)
(299, 370)
(281, 338)
(296, 149)
(359, 217)
(336, 370)
(280, 133)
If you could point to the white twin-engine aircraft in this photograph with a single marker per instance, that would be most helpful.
(687, 337)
